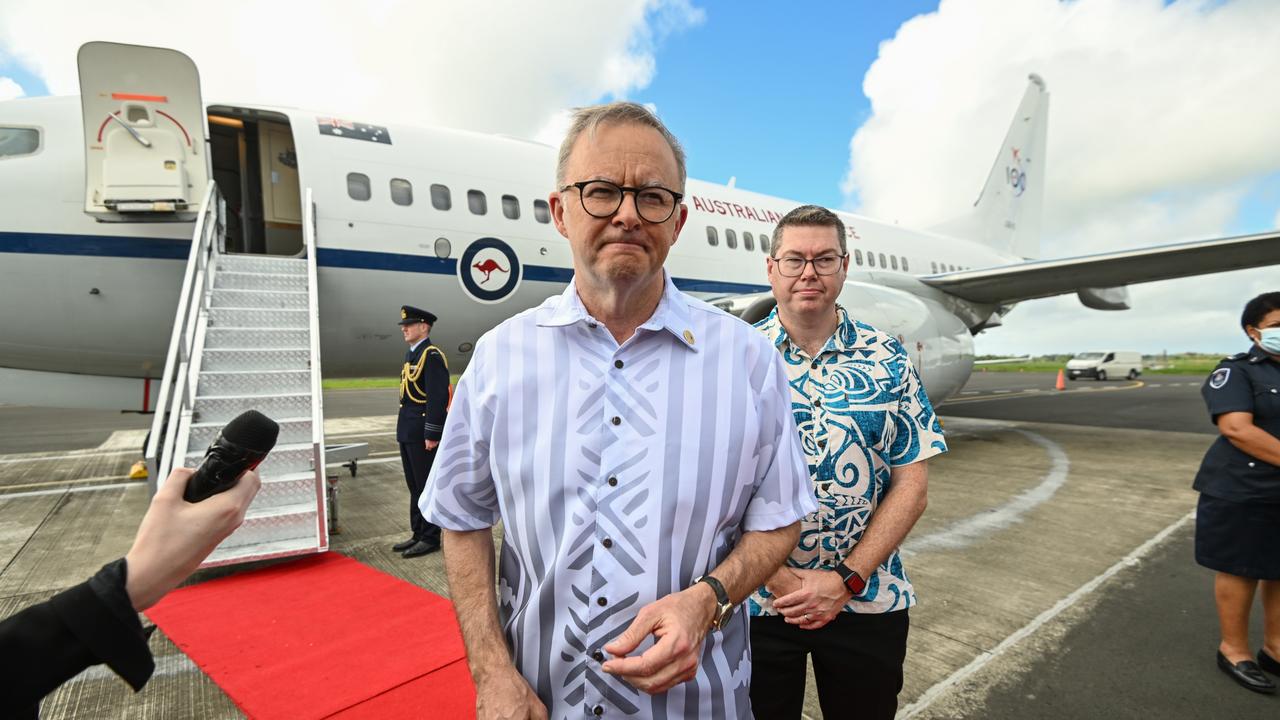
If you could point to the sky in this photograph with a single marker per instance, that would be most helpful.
(1161, 124)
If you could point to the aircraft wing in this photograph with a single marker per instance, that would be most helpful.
(1007, 284)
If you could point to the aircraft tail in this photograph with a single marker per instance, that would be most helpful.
(1006, 215)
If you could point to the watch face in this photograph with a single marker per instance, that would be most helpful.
(723, 613)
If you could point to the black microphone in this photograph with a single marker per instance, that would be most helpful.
(239, 446)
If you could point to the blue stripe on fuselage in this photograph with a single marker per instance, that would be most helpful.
(169, 249)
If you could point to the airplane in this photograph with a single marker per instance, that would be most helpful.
(449, 220)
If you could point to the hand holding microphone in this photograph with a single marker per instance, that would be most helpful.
(241, 445)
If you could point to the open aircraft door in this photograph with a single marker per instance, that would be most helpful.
(144, 133)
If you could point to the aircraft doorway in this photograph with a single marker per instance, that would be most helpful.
(256, 168)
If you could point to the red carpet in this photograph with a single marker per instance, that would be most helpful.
(323, 637)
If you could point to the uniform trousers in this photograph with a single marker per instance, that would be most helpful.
(857, 663)
(417, 461)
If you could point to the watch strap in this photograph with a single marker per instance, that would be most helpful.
(854, 582)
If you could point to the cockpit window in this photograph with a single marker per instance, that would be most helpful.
(16, 141)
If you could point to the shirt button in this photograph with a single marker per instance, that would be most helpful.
(601, 602)
(597, 656)
(591, 325)
(822, 443)
(613, 482)
(617, 364)
(814, 365)
(598, 710)
(817, 402)
(1252, 465)
(616, 420)
(607, 543)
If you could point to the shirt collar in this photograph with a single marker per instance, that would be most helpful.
(415, 345)
(672, 314)
(1257, 354)
(844, 339)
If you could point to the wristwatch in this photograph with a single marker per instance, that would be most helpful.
(724, 608)
(852, 580)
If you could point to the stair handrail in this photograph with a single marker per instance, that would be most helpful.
(317, 395)
(171, 402)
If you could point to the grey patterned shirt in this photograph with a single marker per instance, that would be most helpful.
(621, 474)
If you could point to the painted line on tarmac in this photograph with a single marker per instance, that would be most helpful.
(1038, 393)
(65, 490)
(71, 455)
(932, 694)
(989, 522)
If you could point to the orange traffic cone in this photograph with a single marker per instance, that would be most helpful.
(1062, 380)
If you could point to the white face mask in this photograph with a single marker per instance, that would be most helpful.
(1269, 340)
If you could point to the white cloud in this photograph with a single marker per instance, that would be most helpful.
(1161, 119)
(10, 89)
(494, 67)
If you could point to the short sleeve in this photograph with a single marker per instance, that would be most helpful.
(1227, 389)
(783, 492)
(460, 493)
(917, 432)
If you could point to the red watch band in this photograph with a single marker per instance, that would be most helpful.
(852, 580)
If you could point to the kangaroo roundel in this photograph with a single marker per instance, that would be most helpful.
(489, 270)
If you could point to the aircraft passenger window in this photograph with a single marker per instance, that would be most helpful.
(857, 256)
(933, 267)
(440, 197)
(748, 242)
(713, 238)
(358, 186)
(904, 265)
(18, 141)
(893, 260)
(477, 202)
(541, 211)
(401, 191)
(511, 207)
(883, 264)
(871, 259)
(764, 243)
(731, 239)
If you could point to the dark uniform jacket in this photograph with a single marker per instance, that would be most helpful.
(1247, 382)
(51, 642)
(424, 394)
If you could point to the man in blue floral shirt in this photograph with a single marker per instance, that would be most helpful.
(867, 428)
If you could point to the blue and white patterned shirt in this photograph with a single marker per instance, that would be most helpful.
(621, 474)
(861, 410)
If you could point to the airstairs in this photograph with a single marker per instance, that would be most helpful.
(246, 336)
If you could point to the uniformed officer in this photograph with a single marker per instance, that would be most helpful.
(1238, 517)
(424, 399)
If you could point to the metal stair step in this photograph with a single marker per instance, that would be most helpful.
(288, 489)
(250, 338)
(264, 299)
(292, 430)
(257, 317)
(221, 408)
(262, 264)
(234, 280)
(270, 525)
(253, 382)
(280, 548)
(250, 358)
(283, 460)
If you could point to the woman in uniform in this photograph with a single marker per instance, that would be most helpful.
(1238, 518)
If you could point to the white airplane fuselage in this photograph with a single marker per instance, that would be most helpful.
(94, 298)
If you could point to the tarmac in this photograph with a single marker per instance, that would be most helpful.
(1053, 565)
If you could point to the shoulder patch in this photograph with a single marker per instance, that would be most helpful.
(1219, 378)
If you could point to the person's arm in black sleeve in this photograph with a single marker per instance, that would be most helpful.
(1227, 390)
(47, 644)
(437, 387)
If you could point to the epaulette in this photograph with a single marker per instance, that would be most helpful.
(1237, 356)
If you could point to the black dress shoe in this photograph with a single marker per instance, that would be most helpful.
(1247, 674)
(402, 546)
(1268, 663)
(422, 547)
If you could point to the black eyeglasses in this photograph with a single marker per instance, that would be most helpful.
(601, 199)
(823, 265)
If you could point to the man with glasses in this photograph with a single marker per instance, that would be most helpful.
(867, 428)
(638, 447)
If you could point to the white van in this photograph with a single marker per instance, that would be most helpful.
(1103, 365)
